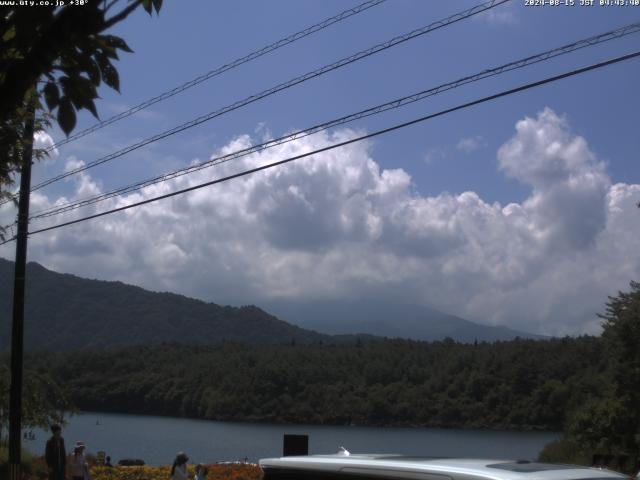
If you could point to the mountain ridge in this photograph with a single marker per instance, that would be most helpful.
(381, 318)
(98, 313)
(72, 312)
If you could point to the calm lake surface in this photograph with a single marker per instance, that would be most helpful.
(156, 440)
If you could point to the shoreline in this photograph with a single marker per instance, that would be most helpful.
(501, 428)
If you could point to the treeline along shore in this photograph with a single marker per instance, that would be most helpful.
(519, 384)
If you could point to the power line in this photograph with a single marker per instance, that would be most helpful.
(224, 68)
(347, 142)
(397, 103)
(282, 86)
(331, 147)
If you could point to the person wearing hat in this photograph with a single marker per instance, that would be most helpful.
(201, 472)
(55, 454)
(179, 468)
(79, 467)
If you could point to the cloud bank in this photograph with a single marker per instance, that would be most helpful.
(471, 144)
(336, 225)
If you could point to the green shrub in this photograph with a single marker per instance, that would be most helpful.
(33, 467)
(564, 451)
(27, 456)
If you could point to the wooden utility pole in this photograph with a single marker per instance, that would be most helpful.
(17, 326)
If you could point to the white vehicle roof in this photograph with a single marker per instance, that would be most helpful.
(419, 468)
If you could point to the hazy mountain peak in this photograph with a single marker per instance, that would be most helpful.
(389, 319)
(64, 311)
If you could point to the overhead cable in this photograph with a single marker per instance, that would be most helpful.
(222, 69)
(282, 86)
(347, 142)
(397, 103)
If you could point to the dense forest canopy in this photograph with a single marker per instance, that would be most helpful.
(523, 384)
(588, 387)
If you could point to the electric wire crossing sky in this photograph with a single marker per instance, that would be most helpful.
(283, 86)
(397, 103)
(222, 69)
(64, 207)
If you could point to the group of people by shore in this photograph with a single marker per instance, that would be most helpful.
(56, 459)
(179, 469)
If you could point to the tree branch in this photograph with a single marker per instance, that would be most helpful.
(109, 5)
(122, 15)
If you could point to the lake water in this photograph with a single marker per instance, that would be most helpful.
(156, 440)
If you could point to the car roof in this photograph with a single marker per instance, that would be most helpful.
(427, 467)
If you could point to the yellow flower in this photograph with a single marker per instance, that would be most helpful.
(236, 471)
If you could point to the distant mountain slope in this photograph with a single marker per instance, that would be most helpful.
(67, 312)
(389, 320)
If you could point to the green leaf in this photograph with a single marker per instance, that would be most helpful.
(84, 86)
(9, 34)
(110, 52)
(81, 91)
(66, 116)
(65, 82)
(93, 71)
(51, 95)
(117, 42)
(104, 47)
(158, 5)
(110, 76)
(146, 4)
(89, 65)
(89, 105)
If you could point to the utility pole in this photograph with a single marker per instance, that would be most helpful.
(17, 328)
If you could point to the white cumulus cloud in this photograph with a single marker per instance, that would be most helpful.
(336, 225)
(44, 141)
(471, 144)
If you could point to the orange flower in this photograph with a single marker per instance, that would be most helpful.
(236, 471)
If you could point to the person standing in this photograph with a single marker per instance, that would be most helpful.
(56, 455)
(179, 468)
(201, 472)
(79, 466)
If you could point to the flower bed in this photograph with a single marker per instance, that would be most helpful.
(236, 471)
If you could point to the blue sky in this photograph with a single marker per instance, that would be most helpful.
(457, 153)
(186, 41)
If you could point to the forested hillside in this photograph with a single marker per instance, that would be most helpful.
(518, 384)
(67, 312)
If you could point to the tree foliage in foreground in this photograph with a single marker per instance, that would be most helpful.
(610, 421)
(43, 401)
(55, 58)
(522, 384)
